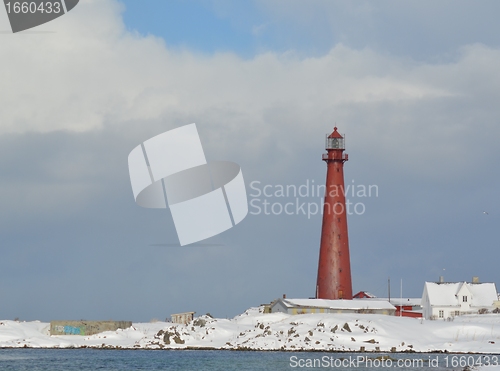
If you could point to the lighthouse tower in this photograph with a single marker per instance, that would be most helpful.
(334, 268)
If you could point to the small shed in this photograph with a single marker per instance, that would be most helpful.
(182, 318)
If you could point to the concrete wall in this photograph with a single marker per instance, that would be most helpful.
(86, 327)
(183, 318)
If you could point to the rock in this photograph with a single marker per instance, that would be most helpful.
(200, 322)
(174, 336)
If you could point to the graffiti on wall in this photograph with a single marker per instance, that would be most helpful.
(70, 330)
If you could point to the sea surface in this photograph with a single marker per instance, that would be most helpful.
(121, 360)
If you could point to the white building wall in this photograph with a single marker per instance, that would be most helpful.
(464, 297)
(279, 307)
(426, 305)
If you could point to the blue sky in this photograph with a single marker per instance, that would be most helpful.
(422, 30)
(196, 24)
(413, 85)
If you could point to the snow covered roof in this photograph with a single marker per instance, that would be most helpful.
(401, 301)
(339, 304)
(446, 293)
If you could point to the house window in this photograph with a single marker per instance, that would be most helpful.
(464, 298)
(441, 314)
(457, 313)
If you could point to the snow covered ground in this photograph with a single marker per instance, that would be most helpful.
(255, 330)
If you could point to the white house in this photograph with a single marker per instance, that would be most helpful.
(449, 299)
(303, 306)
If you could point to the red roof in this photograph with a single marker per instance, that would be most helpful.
(363, 294)
(335, 134)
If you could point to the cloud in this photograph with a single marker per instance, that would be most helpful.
(423, 30)
(92, 71)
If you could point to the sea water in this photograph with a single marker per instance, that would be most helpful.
(122, 360)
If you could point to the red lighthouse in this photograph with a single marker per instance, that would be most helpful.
(334, 268)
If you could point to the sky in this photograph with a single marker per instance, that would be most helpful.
(413, 85)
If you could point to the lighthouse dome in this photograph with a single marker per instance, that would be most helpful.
(335, 140)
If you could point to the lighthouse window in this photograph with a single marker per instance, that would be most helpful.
(339, 236)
